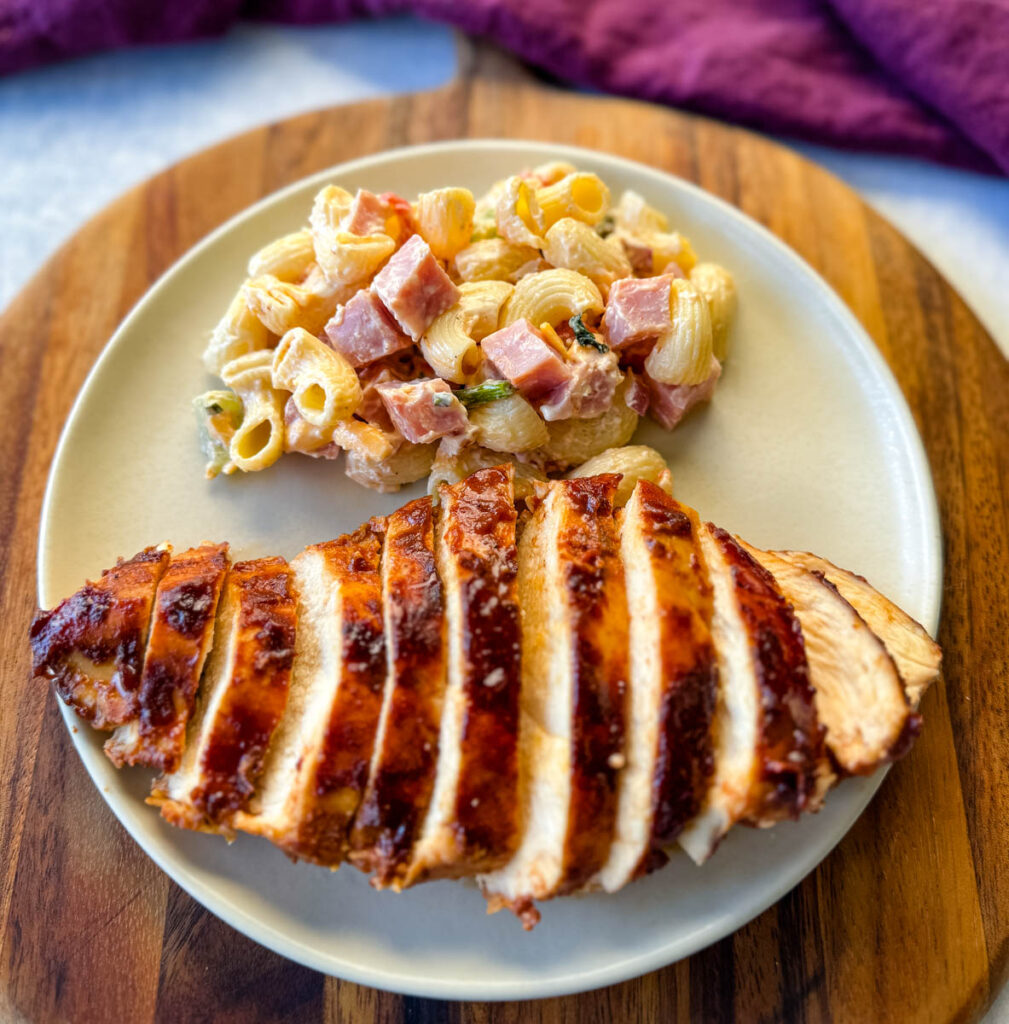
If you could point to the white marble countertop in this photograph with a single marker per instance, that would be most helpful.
(73, 136)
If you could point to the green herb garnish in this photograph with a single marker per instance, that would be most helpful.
(606, 226)
(488, 391)
(442, 399)
(584, 336)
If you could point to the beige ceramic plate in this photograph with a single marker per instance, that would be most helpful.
(808, 444)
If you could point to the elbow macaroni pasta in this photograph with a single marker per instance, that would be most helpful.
(580, 196)
(715, 283)
(633, 462)
(518, 215)
(494, 259)
(281, 306)
(450, 344)
(239, 333)
(323, 383)
(259, 440)
(573, 245)
(509, 425)
(553, 297)
(683, 354)
(573, 442)
(288, 258)
(445, 220)
(544, 245)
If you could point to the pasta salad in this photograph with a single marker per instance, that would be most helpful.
(535, 324)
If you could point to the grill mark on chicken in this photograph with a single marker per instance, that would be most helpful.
(593, 583)
(790, 736)
(92, 644)
(472, 821)
(180, 637)
(406, 748)
(684, 760)
(486, 805)
(254, 639)
(341, 772)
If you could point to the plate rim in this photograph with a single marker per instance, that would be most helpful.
(661, 956)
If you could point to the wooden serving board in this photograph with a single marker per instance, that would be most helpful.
(907, 920)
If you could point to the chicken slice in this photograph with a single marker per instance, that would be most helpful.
(860, 698)
(182, 630)
(916, 655)
(472, 822)
(244, 690)
(317, 764)
(92, 644)
(673, 678)
(769, 756)
(574, 672)
(404, 762)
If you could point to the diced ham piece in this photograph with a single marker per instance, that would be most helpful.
(372, 409)
(636, 396)
(414, 288)
(362, 331)
(522, 355)
(639, 254)
(367, 214)
(589, 393)
(637, 309)
(423, 410)
(671, 402)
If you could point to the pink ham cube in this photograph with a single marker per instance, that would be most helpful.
(414, 288)
(367, 214)
(362, 331)
(423, 410)
(522, 355)
(671, 402)
(637, 309)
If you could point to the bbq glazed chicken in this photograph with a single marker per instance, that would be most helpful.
(546, 701)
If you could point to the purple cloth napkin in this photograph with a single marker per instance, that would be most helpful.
(922, 77)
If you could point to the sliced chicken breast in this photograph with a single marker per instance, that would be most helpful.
(182, 630)
(860, 698)
(916, 655)
(574, 672)
(316, 767)
(769, 755)
(472, 822)
(244, 691)
(402, 771)
(92, 644)
(673, 679)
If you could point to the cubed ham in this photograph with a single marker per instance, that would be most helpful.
(522, 355)
(671, 402)
(637, 309)
(372, 409)
(589, 392)
(423, 410)
(636, 396)
(367, 214)
(362, 331)
(414, 288)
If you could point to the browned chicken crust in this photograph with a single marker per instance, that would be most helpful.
(92, 644)
(181, 633)
(341, 772)
(406, 753)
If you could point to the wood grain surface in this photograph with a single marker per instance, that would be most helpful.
(907, 920)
